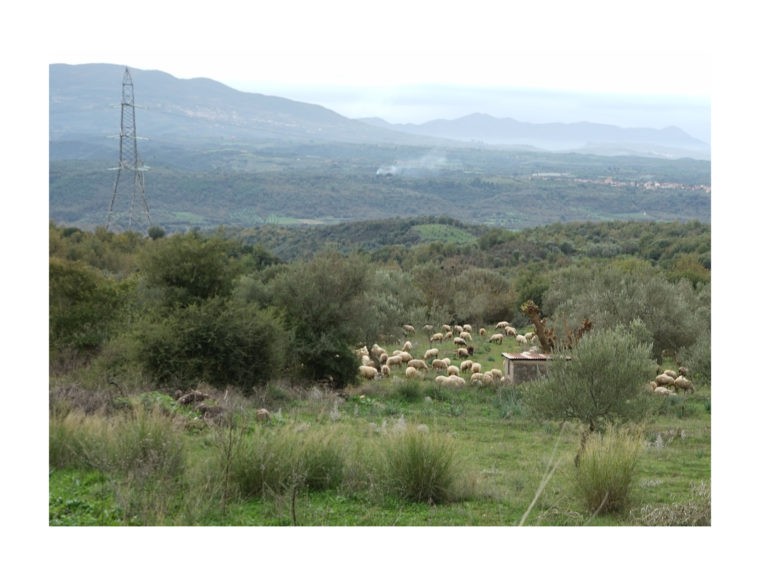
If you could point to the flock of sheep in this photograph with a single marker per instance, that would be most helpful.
(378, 363)
(669, 382)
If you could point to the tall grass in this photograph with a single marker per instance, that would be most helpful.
(420, 467)
(606, 469)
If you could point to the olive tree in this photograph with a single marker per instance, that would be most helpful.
(601, 380)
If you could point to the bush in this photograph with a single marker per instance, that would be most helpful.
(605, 469)
(420, 467)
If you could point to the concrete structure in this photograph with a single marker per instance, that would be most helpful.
(522, 367)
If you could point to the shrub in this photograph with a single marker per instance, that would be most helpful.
(606, 467)
(420, 467)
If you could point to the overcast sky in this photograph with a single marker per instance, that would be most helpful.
(413, 61)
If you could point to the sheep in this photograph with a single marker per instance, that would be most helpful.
(366, 361)
(263, 415)
(456, 380)
(436, 338)
(458, 329)
(510, 331)
(670, 373)
(418, 364)
(482, 332)
(405, 357)
(377, 350)
(439, 364)
(462, 352)
(431, 354)
(367, 372)
(521, 339)
(476, 367)
(502, 325)
(465, 366)
(408, 329)
(385, 370)
(467, 328)
(497, 374)
(446, 328)
(460, 342)
(393, 361)
(683, 371)
(682, 383)
(476, 378)
(664, 391)
(407, 346)
(383, 358)
(448, 336)
(452, 370)
(664, 380)
(411, 373)
(466, 335)
(496, 338)
(428, 329)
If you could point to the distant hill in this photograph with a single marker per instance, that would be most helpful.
(85, 101)
(85, 98)
(579, 136)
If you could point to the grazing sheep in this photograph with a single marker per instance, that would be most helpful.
(476, 367)
(407, 346)
(393, 361)
(460, 342)
(462, 352)
(385, 370)
(263, 415)
(405, 357)
(448, 336)
(670, 373)
(684, 384)
(510, 331)
(440, 364)
(496, 338)
(428, 329)
(452, 370)
(482, 332)
(466, 335)
(377, 350)
(456, 380)
(502, 325)
(683, 371)
(436, 338)
(418, 364)
(664, 391)
(468, 328)
(446, 328)
(408, 329)
(521, 339)
(458, 329)
(465, 366)
(431, 354)
(664, 380)
(411, 373)
(497, 374)
(367, 372)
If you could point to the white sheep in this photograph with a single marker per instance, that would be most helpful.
(411, 372)
(418, 364)
(467, 328)
(385, 370)
(367, 372)
(664, 391)
(682, 383)
(476, 368)
(482, 332)
(439, 364)
(466, 335)
(664, 380)
(452, 370)
(459, 341)
(456, 380)
(465, 366)
(407, 346)
(497, 374)
(408, 329)
(521, 339)
(496, 338)
(670, 373)
(510, 331)
(393, 361)
(463, 352)
(431, 354)
(436, 338)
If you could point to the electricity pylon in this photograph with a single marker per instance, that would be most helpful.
(129, 160)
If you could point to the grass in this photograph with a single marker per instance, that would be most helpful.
(387, 453)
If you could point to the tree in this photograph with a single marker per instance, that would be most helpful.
(324, 302)
(603, 381)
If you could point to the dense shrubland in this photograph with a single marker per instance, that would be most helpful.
(137, 321)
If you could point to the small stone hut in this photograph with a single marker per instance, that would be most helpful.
(526, 366)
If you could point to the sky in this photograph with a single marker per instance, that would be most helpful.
(633, 64)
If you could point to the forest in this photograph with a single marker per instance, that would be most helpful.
(259, 314)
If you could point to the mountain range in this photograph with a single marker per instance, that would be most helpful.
(84, 100)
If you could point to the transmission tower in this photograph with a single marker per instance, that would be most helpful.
(129, 160)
